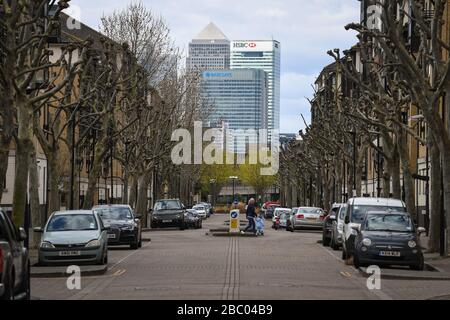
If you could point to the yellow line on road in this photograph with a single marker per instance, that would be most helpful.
(119, 272)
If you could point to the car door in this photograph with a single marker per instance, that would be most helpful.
(16, 249)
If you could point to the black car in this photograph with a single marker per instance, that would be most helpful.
(168, 213)
(386, 238)
(124, 227)
(192, 220)
(14, 261)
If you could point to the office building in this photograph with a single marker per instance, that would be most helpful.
(210, 49)
(264, 55)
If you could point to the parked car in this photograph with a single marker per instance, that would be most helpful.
(285, 217)
(308, 218)
(388, 238)
(270, 210)
(209, 207)
(337, 231)
(14, 261)
(278, 212)
(124, 226)
(168, 213)
(357, 209)
(192, 219)
(74, 237)
(202, 211)
(328, 225)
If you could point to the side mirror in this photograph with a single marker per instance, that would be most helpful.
(38, 230)
(106, 228)
(22, 234)
(357, 228)
(421, 230)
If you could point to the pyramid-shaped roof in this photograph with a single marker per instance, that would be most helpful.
(211, 32)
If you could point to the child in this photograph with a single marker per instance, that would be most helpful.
(259, 225)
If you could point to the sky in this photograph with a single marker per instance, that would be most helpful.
(307, 29)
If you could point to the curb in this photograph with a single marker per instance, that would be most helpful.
(60, 272)
(437, 276)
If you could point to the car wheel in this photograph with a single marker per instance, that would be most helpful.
(325, 240)
(419, 266)
(134, 245)
(140, 241)
(344, 254)
(356, 262)
(9, 289)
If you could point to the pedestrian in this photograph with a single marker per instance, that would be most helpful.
(260, 225)
(251, 215)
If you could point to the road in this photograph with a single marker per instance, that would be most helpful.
(189, 265)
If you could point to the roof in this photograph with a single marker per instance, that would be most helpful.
(211, 32)
(73, 212)
(81, 33)
(377, 201)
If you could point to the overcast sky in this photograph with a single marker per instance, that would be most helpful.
(305, 28)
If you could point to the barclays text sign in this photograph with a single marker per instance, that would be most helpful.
(217, 74)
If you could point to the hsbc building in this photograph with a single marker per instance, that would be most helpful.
(264, 55)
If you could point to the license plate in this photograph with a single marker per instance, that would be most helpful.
(390, 254)
(167, 221)
(111, 236)
(69, 253)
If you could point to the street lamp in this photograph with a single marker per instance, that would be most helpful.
(234, 178)
(213, 184)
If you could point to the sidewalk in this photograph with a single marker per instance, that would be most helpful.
(441, 264)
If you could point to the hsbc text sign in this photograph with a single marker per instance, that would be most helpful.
(245, 45)
(252, 46)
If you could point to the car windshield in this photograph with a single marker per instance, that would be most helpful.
(360, 211)
(115, 213)
(280, 212)
(309, 210)
(167, 205)
(72, 222)
(389, 222)
(199, 208)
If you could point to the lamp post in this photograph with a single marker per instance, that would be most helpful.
(233, 178)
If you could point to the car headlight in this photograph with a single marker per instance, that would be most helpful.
(367, 242)
(128, 227)
(93, 243)
(47, 245)
(412, 244)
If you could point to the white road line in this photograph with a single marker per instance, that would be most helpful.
(126, 257)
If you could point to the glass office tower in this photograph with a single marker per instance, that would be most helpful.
(264, 55)
(238, 98)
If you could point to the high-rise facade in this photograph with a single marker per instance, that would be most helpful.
(264, 55)
(210, 49)
(239, 98)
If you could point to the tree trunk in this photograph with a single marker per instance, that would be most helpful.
(386, 184)
(142, 196)
(94, 174)
(24, 147)
(133, 192)
(54, 176)
(446, 178)
(395, 173)
(408, 180)
(4, 157)
(35, 206)
(435, 198)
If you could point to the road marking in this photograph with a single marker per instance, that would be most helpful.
(119, 272)
(126, 257)
(231, 288)
(378, 293)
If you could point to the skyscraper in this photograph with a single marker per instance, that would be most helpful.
(264, 55)
(239, 98)
(210, 49)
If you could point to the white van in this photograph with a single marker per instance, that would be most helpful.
(357, 209)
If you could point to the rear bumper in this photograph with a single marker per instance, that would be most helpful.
(308, 224)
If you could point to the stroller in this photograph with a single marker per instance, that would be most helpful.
(259, 225)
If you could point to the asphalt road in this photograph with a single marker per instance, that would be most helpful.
(189, 265)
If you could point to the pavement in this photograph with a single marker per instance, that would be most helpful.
(189, 265)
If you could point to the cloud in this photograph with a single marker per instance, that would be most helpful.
(307, 29)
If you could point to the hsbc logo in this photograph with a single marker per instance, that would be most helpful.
(246, 45)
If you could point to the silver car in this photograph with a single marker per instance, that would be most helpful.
(308, 218)
(337, 233)
(72, 237)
